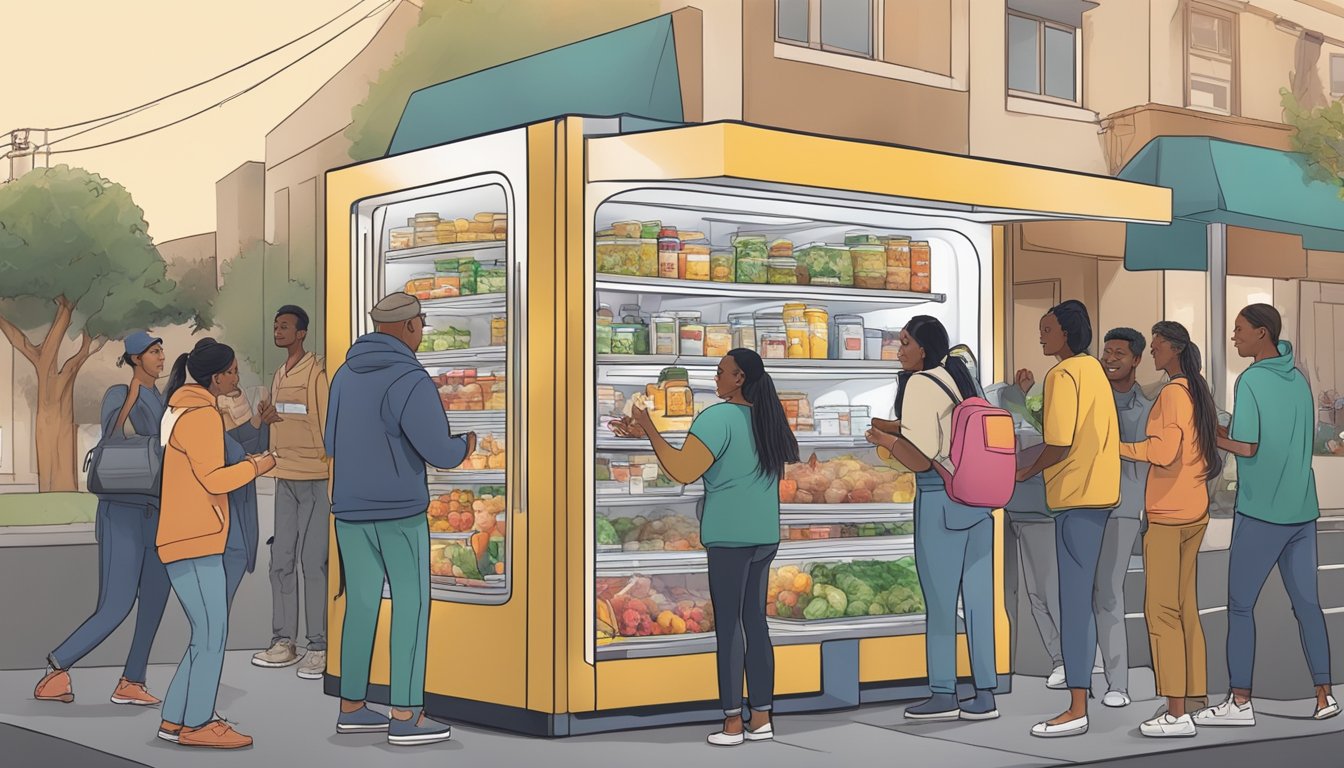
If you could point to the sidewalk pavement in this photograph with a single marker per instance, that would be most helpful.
(293, 724)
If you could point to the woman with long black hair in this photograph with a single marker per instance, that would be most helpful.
(1182, 455)
(740, 447)
(954, 543)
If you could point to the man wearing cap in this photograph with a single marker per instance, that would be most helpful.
(125, 528)
(384, 424)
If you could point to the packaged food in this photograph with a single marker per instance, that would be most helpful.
(828, 420)
(769, 323)
(782, 270)
(631, 313)
(861, 239)
(692, 334)
(898, 278)
(743, 328)
(825, 264)
(677, 390)
(623, 338)
(445, 232)
(668, 259)
(859, 420)
(921, 267)
(700, 247)
(620, 471)
(491, 278)
(665, 338)
(632, 258)
(793, 312)
(468, 274)
(818, 332)
(718, 340)
(446, 287)
(697, 265)
(499, 330)
(400, 238)
(796, 350)
(780, 248)
(722, 266)
(870, 266)
(773, 346)
(442, 266)
(648, 230)
(421, 286)
(797, 332)
(847, 336)
(898, 251)
(872, 344)
(629, 230)
(751, 258)
(891, 345)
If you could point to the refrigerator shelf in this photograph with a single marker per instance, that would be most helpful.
(613, 563)
(430, 252)
(604, 500)
(763, 292)
(705, 367)
(613, 444)
(456, 477)
(466, 305)
(461, 358)
(782, 632)
(454, 536)
(477, 421)
(829, 514)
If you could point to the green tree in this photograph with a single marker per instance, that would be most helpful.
(77, 263)
(256, 283)
(458, 37)
(1319, 136)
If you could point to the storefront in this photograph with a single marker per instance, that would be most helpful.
(569, 265)
(1261, 231)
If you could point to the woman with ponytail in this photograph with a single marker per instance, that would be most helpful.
(740, 447)
(954, 543)
(193, 535)
(1182, 454)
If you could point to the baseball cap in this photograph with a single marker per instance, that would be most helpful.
(138, 342)
(395, 308)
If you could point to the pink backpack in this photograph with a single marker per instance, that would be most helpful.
(983, 453)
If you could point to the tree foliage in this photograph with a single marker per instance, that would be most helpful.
(1319, 137)
(256, 283)
(455, 38)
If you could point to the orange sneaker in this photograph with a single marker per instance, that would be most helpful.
(215, 734)
(170, 731)
(55, 687)
(128, 692)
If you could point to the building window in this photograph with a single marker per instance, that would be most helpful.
(1042, 58)
(1337, 74)
(1210, 60)
(840, 26)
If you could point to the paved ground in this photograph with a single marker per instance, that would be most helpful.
(292, 723)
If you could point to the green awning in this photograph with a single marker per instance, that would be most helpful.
(1214, 181)
(631, 71)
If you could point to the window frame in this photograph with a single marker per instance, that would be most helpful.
(814, 32)
(1041, 25)
(1233, 59)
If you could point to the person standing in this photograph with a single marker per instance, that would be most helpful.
(1182, 455)
(302, 508)
(129, 565)
(193, 535)
(954, 543)
(740, 447)
(1276, 512)
(1081, 462)
(385, 424)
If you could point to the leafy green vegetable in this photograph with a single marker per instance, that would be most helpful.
(817, 609)
(465, 559)
(606, 532)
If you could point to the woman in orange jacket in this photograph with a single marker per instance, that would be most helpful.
(193, 532)
(1182, 455)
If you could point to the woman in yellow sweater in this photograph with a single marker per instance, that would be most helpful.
(1182, 455)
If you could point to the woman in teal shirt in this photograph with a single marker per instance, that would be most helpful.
(740, 448)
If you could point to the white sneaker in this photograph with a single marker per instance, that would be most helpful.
(1072, 728)
(1228, 713)
(722, 739)
(1167, 726)
(1056, 681)
(1115, 699)
(764, 733)
(1330, 709)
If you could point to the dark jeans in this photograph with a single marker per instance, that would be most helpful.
(1257, 547)
(738, 579)
(128, 570)
(1078, 537)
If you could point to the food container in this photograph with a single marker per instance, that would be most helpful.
(796, 350)
(400, 238)
(872, 343)
(625, 339)
(446, 286)
(668, 262)
(631, 313)
(870, 266)
(722, 265)
(620, 471)
(447, 266)
(793, 311)
(782, 270)
(800, 345)
(499, 330)
(648, 230)
(862, 238)
(603, 333)
(665, 339)
(632, 230)
(697, 265)
(859, 420)
(751, 258)
(718, 340)
(780, 248)
(636, 484)
(692, 335)
(699, 246)
(680, 400)
(898, 278)
(630, 257)
(825, 264)
(891, 345)
(818, 332)
(796, 406)
(491, 278)
(743, 328)
(921, 267)
(468, 274)
(769, 322)
(773, 346)
(847, 337)
(421, 286)
(833, 420)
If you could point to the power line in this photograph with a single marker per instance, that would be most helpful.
(114, 117)
(222, 102)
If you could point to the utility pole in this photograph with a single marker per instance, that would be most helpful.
(21, 154)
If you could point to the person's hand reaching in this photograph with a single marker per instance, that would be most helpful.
(1025, 380)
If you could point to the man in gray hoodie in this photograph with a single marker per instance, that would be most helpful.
(385, 423)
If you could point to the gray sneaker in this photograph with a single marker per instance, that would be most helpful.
(417, 730)
(362, 720)
(282, 654)
(314, 665)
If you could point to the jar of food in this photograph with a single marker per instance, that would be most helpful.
(891, 345)
(620, 472)
(677, 393)
(630, 313)
(697, 266)
(796, 350)
(499, 330)
(780, 249)
(859, 420)
(421, 286)
(828, 420)
(751, 258)
(872, 344)
(491, 278)
(718, 340)
(768, 322)
(743, 328)
(794, 404)
(722, 265)
(692, 334)
(847, 337)
(669, 253)
(624, 338)
(468, 272)
(665, 339)
(794, 312)
(870, 266)
(782, 270)
(773, 346)
(603, 335)
(818, 334)
(825, 264)
(447, 285)
(921, 267)
(797, 331)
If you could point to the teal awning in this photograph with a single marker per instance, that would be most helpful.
(631, 71)
(1214, 181)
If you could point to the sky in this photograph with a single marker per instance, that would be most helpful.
(80, 59)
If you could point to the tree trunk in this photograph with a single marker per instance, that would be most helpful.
(57, 465)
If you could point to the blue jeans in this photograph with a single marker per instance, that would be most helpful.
(128, 569)
(200, 587)
(1257, 547)
(739, 578)
(235, 562)
(954, 554)
(1078, 538)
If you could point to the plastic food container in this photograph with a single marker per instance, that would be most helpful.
(399, 238)
(862, 238)
(869, 259)
(697, 265)
(921, 267)
(668, 259)
(751, 258)
(818, 332)
(847, 337)
(665, 338)
(718, 340)
(825, 264)
(743, 328)
(499, 330)
(769, 322)
(692, 335)
(872, 344)
(780, 248)
(491, 278)
(782, 270)
(468, 274)
(891, 345)
(722, 266)
(773, 346)
(833, 420)
(446, 286)
(859, 420)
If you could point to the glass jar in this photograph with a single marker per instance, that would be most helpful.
(768, 322)
(499, 330)
(624, 339)
(665, 339)
(718, 340)
(847, 337)
(668, 254)
(677, 394)
(722, 265)
(743, 328)
(603, 335)
(773, 346)
(818, 320)
(797, 331)
(692, 335)
(796, 350)
(697, 266)
(751, 258)
(872, 344)
(782, 270)
(870, 266)
(794, 312)
(921, 267)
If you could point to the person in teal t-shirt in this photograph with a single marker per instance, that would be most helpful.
(740, 448)
(1276, 511)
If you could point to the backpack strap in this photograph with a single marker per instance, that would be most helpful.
(951, 395)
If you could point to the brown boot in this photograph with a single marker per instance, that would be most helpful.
(55, 687)
(215, 734)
